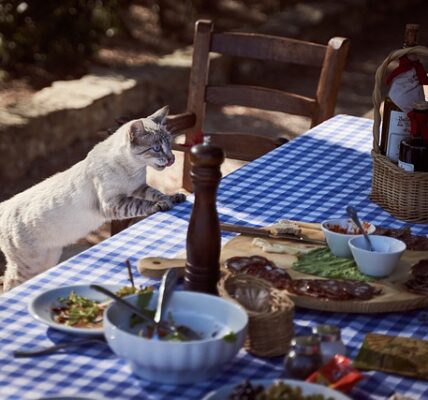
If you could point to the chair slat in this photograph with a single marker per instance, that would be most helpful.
(266, 47)
(261, 98)
(243, 146)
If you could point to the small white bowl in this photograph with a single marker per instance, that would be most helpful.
(173, 362)
(381, 262)
(338, 242)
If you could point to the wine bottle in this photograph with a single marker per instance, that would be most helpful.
(406, 87)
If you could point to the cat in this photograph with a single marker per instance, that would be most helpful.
(110, 183)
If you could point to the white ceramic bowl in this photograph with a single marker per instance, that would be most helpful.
(174, 362)
(338, 242)
(381, 262)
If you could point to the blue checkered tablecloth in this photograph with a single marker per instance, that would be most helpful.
(309, 179)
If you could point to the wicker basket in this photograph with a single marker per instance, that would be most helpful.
(403, 194)
(270, 312)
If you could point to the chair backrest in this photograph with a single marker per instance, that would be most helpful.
(330, 58)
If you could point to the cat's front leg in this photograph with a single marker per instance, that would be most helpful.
(149, 193)
(123, 207)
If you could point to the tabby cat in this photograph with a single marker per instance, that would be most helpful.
(110, 183)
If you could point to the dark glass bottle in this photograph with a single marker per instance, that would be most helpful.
(395, 124)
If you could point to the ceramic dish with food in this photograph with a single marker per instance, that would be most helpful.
(220, 324)
(75, 309)
(337, 233)
(384, 258)
(301, 390)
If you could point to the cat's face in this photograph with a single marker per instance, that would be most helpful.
(150, 140)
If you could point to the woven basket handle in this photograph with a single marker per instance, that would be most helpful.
(379, 77)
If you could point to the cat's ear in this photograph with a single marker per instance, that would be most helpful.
(159, 116)
(135, 130)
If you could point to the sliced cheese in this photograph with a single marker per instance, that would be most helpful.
(286, 227)
(279, 248)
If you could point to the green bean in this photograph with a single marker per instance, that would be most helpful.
(321, 262)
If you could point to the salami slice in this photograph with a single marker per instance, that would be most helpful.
(237, 263)
(361, 290)
(303, 287)
(420, 269)
(417, 286)
(418, 283)
(413, 242)
(334, 289)
(260, 267)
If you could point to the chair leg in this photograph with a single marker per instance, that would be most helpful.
(119, 225)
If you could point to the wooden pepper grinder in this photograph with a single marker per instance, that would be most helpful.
(203, 243)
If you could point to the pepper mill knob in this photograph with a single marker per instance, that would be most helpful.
(203, 242)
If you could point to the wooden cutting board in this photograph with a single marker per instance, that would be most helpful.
(394, 298)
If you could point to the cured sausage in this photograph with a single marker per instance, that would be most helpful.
(332, 289)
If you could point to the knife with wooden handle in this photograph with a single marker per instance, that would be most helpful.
(251, 231)
(155, 267)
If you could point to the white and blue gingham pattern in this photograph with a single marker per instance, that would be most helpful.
(310, 179)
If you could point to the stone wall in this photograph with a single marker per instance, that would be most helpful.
(66, 111)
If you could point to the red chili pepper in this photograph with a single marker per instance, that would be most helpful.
(338, 374)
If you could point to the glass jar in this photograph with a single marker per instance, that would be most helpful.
(303, 358)
(331, 343)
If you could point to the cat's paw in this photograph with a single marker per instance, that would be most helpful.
(178, 198)
(163, 205)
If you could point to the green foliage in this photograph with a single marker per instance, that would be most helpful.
(56, 35)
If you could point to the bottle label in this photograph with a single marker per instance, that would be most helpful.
(406, 89)
(399, 128)
(406, 166)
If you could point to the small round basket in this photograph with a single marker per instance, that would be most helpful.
(270, 312)
(404, 194)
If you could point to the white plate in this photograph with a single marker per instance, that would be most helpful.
(307, 389)
(40, 307)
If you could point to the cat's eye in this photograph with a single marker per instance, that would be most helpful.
(157, 148)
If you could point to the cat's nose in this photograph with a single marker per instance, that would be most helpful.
(171, 160)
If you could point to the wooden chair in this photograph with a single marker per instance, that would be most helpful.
(243, 146)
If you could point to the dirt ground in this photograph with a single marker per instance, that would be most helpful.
(368, 49)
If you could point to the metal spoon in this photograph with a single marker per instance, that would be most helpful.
(166, 288)
(53, 349)
(352, 213)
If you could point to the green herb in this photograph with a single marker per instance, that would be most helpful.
(230, 337)
(176, 336)
(321, 262)
(143, 301)
(79, 309)
(126, 291)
